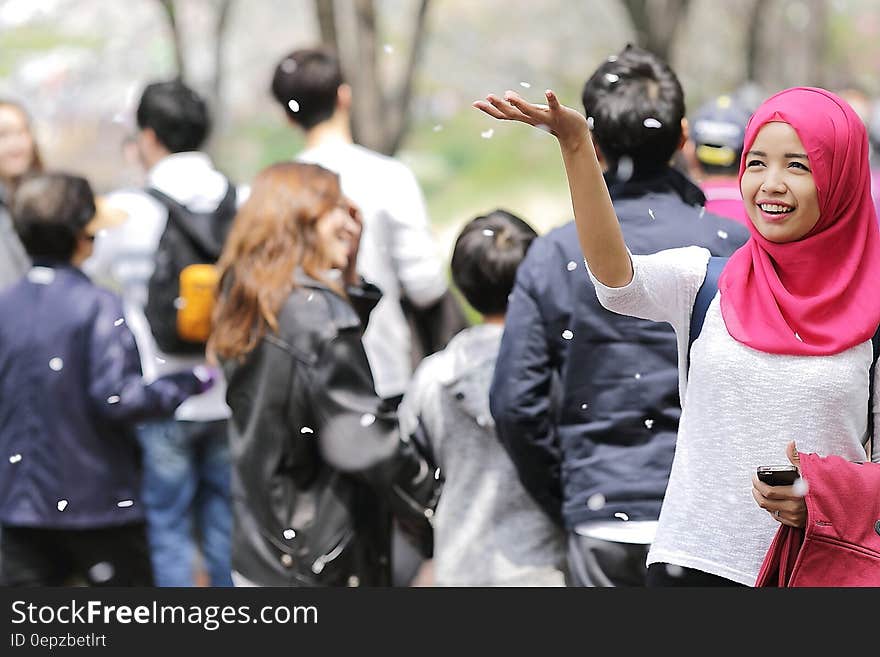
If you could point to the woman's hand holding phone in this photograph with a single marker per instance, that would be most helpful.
(775, 489)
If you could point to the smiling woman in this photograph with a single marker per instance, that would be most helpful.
(785, 351)
(777, 185)
(317, 456)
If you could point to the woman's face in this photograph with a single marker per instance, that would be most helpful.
(337, 234)
(16, 143)
(777, 185)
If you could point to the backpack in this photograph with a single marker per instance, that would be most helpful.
(704, 298)
(182, 288)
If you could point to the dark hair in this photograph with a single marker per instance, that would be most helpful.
(49, 212)
(485, 258)
(311, 78)
(636, 103)
(177, 115)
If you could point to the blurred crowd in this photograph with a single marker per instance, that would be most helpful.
(207, 382)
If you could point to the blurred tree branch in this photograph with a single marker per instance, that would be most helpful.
(220, 23)
(170, 12)
(380, 112)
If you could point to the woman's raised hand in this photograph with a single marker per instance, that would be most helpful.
(568, 125)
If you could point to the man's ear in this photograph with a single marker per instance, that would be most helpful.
(343, 97)
(685, 133)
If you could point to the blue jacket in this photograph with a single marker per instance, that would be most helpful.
(585, 400)
(70, 391)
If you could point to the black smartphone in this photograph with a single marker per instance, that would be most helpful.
(778, 475)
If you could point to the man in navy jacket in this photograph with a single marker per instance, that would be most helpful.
(70, 391)
(586, 401)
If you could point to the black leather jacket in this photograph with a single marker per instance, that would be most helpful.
(318, 461)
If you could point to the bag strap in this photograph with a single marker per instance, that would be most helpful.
(174, 207)
(704, 298)
(875, 352)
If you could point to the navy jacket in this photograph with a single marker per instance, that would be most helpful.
(70, 391)
(585, 400)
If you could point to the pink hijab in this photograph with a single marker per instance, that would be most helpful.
(819, 295)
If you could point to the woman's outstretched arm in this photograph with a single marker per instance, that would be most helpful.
(597, 226)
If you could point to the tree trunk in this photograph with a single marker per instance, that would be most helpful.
(326, 11)
(220, 25)
(176, 37)
(754, 41)
(656, 23)
(380, 111)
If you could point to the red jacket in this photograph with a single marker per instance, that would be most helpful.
(840, 545)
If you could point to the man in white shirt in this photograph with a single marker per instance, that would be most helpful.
(186, 460)
(397, 251)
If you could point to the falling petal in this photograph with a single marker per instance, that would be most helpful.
(124, 504)
(800, 487)
(101, 572)
(113, 399)
(567, 335)
(289, 534)
(180, 303)
(638, 375)
(119, 322)
(15, 458)
(596, 502)
(437, 474)
(438, 128)
(649, 423)
(62, 504)
(311, 296)
(611, 78)
(651, 122)
(590, 122)
(293, 105)
(56, 364)
(305, 430)
(41, 275)
(525, 85)
(621, 515)
(388, 48)
(487, 134)
(651, 212)
(625, 168)
(584, 407)
(488, 232)
(572, 265)
(674, 571)
(722, 234)
(367, 419)
(288, 65)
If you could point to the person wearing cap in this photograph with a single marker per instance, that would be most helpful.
(71, 391)
(717, 131)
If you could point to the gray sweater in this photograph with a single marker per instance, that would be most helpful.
(487, 529)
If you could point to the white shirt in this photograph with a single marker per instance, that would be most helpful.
(123, 260)
(740, 409)
(397, 251)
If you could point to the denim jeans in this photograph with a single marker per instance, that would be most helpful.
(186, 495)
